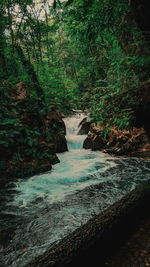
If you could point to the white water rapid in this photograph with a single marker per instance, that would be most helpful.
(39, 211)
(74, 140)
(77, 169)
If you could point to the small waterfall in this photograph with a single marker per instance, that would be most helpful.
(74, 140)
(49, 206)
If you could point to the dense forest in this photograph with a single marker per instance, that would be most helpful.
(64, 55)
(74, 78)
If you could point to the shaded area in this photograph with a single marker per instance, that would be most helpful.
(135, 251)
(38, 212)
(95, 240)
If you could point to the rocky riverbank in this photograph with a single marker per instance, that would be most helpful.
(133, 142)
(45, 156)
(102, 235)
(31, 135)
(135, 251)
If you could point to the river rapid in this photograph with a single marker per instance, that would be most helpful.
(37, 212)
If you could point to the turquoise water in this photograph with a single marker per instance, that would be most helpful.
(39, 211)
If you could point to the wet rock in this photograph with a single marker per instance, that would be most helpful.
(94, 142)
(87, 144)
(118, 142)
(85, 127)
(60, 144)
(101, 235)
(126, 143)
(54, 159)
(57, 126)
(83, 121)
(98, 143)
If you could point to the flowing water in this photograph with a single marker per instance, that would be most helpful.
(37, 212)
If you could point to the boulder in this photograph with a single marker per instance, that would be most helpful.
(94, 142)
(60, 144)
(83, 121)
(126, 143)
(85, 127)
(57, 127)
(118, 142)
(98, 143)
(87, 144)
(94, 241)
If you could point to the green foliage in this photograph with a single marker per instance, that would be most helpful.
(78, 54)
(114, 59)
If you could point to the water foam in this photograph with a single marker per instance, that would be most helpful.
(49, 206)
(77, 169)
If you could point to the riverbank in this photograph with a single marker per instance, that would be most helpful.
(135, 251)
(129, 143)
(102, 235)
(40, 211)
(38, 154)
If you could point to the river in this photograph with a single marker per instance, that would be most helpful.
(37, 212)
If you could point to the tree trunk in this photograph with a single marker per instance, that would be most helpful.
(35, 85)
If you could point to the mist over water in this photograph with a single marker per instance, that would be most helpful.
(41, 210)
